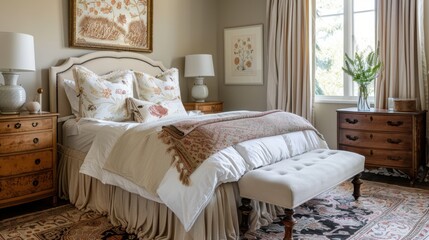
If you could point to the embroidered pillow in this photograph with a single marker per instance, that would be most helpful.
(72, 96)
(164, 87)
(103, 97)
(144, 111)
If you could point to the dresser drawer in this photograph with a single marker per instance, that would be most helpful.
(25, 125)
(210, 108)
(25, 163)
(394, 141)
(390, 123)
(386, 158)
(24, 142)
(25, 185)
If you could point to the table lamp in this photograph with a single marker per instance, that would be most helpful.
(199, 66)
(16, 55)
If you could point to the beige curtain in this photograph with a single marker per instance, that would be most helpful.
(400, 29)
(288, 82)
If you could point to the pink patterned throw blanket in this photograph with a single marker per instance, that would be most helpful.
(193, 141)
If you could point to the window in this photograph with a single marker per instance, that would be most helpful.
(341, 26)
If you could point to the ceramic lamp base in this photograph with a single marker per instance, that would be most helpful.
(12, 96)
(199, 91)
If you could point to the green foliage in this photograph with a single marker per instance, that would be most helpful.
(363, 69)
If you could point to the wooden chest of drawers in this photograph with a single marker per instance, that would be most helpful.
(27, 158)
(386, 139)
(205, 107)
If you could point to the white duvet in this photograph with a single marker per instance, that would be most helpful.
(130, 156)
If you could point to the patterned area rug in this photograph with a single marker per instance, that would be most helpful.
(383, 212)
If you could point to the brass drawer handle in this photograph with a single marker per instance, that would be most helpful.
(35, 140)
(393, 158)
(395, 124)
(352, 138)
(17, 125)
(37, 161)
(394, 141)
(35, 183)
(34, 124)
(354, 121)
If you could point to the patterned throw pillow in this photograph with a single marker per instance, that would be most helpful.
(163, 87)
(103, 97)
(144, 111)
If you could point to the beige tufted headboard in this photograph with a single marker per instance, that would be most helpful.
(99, 62)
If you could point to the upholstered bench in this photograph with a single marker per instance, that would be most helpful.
(291, 182)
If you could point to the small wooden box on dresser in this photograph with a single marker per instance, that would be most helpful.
(205, 107)
(386, 138)
(27, 158)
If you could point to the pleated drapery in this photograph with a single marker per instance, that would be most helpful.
(402, 52)
(288, 82)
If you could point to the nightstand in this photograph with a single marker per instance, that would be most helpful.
(28, 158)
(205, 107)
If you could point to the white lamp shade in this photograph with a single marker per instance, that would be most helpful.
(16, 52)
(199, 65)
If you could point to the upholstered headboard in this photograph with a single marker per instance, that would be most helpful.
(100, 62)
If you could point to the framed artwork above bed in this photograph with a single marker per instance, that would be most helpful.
(111, 24)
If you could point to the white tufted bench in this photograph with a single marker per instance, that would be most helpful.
(291, 182)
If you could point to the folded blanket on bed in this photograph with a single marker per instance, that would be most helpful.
(192, 141)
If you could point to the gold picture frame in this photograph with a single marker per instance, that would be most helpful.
(111, 24)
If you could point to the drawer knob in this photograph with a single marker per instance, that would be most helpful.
(35, 183)
(35, 140)
(371, 152)
(395, 124)
(394, 158)
(37, 161)
(34, 124)
(394, 141)
(17, 125)
(354, 121)
(352, 138)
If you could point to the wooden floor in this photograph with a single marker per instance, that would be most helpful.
(47, 203)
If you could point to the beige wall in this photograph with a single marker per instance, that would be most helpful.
(235, 13)
(181, 27)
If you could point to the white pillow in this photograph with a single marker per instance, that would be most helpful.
(104, 97)
(158, 90)
(72, 96)
(144, 111)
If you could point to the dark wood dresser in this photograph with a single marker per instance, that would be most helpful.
(27, 158)
(386, 138)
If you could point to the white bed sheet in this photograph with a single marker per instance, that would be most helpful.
(226, 166)
(80, 135)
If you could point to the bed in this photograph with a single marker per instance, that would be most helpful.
(137, 209)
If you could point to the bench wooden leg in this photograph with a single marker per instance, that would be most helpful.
(356, 186)
(289, 222)
(245, 210)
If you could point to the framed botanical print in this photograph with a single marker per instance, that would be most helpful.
(111, 24)
(243, 48)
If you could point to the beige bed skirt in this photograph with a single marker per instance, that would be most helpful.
(153, 220)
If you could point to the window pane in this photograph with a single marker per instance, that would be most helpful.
(363, 5)
(329, 53)
(364, 39)
(329, 7)
(364, 31)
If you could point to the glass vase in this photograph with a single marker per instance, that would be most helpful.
(363, 104)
